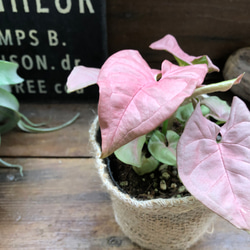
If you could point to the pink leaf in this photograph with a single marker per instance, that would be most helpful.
(132, 102)
(218, 173)
(219, 109)
(82, 77)
(170, 44)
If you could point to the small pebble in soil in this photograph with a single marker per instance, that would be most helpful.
(165, 175)
(181, 189)
(124, 183)
(174, 172)
(173, 185)
(163, 185)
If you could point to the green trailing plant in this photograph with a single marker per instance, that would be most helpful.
(10, 117)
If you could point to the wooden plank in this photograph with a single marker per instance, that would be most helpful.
(68, 142)
(61, 204)
(216, 28)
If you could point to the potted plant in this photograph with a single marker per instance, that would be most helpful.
(164, 121)
(10, 117)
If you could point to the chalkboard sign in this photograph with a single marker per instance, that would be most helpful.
(47, 39)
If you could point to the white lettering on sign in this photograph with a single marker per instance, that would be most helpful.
(63, 10)
(12, 37)
(39, 8)
(67, 63)
(52, 36)
(62, 6)
(28, 62)
(39, 87)
(31, 87)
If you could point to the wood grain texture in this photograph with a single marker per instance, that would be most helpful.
(71, 141)
(216, 28)
(61, 204)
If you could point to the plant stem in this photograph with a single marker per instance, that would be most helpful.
(165, 127)
(214, 87)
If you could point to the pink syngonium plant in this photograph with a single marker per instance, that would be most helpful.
(135, 99)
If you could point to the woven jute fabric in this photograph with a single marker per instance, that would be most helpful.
(158, 223)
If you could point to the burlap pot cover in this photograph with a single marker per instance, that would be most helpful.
(159, 223)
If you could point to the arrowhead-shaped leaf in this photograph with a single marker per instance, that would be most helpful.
(218, 173)
(131, 153)
(158, 148)
(137, 102)
(170, 44)
(219, 109)
(81, 77)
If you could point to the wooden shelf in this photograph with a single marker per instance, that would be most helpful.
(60, 202)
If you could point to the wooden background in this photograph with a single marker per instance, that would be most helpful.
(215, 28)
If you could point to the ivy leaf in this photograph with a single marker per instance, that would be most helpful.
(218, 174)
(8, 73)
(157, 147)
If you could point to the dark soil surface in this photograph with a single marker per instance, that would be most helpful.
(162, 183)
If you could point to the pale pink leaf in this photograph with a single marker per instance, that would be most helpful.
(219, 109)
(218, 172)
(132, 102)
(170, 44)
(81, 77)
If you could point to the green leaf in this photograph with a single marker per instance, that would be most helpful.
(218, 109)
(148, 165)
(9, 115)
(157, 147)
(181, 62)
(184, 112)
(205, 110)
(8, 119)
(8, 100)
(131, 153)
(173, 139)
(201, 60)
(8, 73)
